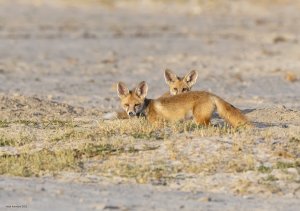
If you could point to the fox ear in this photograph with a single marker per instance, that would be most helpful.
(170, 77)
(141, 90)
(122, 89)
(191, 78)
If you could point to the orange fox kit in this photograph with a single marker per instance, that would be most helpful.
(202, 105)
(177, 85)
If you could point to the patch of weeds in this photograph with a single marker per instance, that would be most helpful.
(64, 136)
(141, 129)
(207, 131)
(149, 148)
(270, 178)
(75, 134)
(20, 141)
(38, 163)
(285, 165)
(27, 122)
(92, 150)
(264, 169)
(144, 173)
(158, 135)
(7, 141)
(141, 135)
(295, 140)
(187, 126)
(190, 126)
(239, 166)
(56, 123)
(136, 127)
(52, 124)
(4, 123)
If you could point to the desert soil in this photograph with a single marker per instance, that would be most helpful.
(61, 60)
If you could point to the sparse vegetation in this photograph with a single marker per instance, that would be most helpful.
(38, 163)
(60, 63)
(134, 149)
(264, 169)
(285, 165)
(3, 123)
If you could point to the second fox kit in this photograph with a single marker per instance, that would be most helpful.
(202, 105)
(177, 85)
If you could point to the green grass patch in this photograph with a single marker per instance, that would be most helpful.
(92, 150)
(38, 163)
(285, 165)
(7, 141)
(4, 123)
(55, 123)
(295, 140)
(20, 141)
(264, 169)
(270, 178)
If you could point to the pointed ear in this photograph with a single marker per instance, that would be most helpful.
(122, 89)
(170, 77)
(191, 78)
(141, 90)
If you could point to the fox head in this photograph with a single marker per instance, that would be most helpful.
(132, 101)
(178, 84)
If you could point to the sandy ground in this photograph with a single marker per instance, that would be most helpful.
(75, 55)
(47, 194)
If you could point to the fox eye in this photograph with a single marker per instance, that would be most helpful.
(136, 105)
(185, 90)
(126, 105)
(175, 89)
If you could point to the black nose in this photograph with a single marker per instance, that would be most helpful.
(131, 113)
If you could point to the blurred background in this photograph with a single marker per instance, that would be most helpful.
(75, 51)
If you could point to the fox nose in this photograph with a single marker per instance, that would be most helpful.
(131, 113)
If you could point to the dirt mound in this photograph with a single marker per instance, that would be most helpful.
(21, 107)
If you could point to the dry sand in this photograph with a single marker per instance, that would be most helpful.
(63, 61)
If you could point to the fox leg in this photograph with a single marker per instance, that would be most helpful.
(153, 118)
(202, 113)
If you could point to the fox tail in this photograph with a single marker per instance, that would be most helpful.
(230, 114)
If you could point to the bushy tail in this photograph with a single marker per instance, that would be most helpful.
(230, 113)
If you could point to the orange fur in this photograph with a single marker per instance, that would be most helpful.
(177, 85)
(201, 104)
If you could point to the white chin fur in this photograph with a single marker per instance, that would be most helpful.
(110, 116)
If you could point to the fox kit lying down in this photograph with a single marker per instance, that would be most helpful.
(177, 85)
(202, 105)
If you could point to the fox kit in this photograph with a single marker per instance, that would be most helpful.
(177, 85)
(202, 105)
